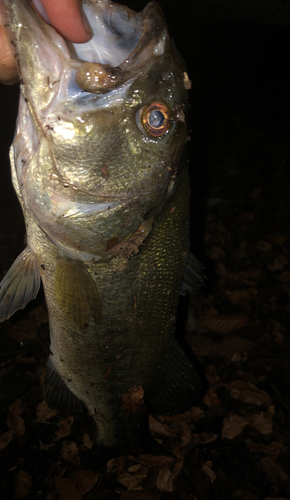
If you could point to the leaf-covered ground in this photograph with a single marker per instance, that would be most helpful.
(234, 443)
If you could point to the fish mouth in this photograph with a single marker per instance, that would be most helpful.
(122, 41)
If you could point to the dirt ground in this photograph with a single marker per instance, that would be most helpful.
(234, 443)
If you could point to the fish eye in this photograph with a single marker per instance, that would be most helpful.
(154, 119)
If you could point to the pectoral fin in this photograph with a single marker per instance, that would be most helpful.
(179, 387)
(193, 277)
(76, 293)
(56, 393)
(20, 284)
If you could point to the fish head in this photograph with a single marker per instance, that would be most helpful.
(102, 125)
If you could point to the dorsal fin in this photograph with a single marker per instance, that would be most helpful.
(20, 284)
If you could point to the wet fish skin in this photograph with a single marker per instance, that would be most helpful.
(106, 212)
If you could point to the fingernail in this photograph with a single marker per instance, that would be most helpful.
(86, 24)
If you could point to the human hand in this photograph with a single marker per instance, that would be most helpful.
(66, 16)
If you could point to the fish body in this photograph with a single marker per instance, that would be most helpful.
(99, 167)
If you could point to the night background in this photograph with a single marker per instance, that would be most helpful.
(235, 442)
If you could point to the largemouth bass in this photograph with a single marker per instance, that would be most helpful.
(99, 167)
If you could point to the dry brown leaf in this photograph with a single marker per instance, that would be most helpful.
(155, 460)
(207, 468)
(285, 277)
(23, 484)
(263, 246)
(5, 439)
(248, 393)
(276, 498)
(14, 421)
(233, 425)
(67, 490)
(208, 437)
(87, 441)
(193, 414)
(270, 450)
(65, 428)
(167, 476)
(277, 239)
(24, 359)
(274, 470)
(230, 346)
(69, 451)
(84, 480)
(211, 398)
(223, 324)
(217, 253)
(243, 296)
(278, 263)
(262, 422)
(164, 480)
(157, 427)
(44, 413)
(129, 481)
(211, 375)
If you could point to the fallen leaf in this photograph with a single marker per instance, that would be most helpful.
(84, 480)
(217, 253)
(271, 450)
(223, 324)
(65, 428)
(208, 437)
(5, 439)
(275, 498)
(230, 346)
(129, 481)
(206, 347)
(262, 422)
(23, 484)
(69, 452)
(164, 480)
(14, 421)
(211, 375)
(285, 277)
(167, 476)
(44, 413)
(274, 470)
(87, 441)
(248, 393)
(207, 468)
(277, 239)
(263, 246)
(157, 427)
(243, 296)
(233, 425)
(24, 359)
(278, 263)
(155, 460)
(211, 398)
(67, 490)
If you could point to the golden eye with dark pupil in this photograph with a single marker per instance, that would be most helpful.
(154, 119)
